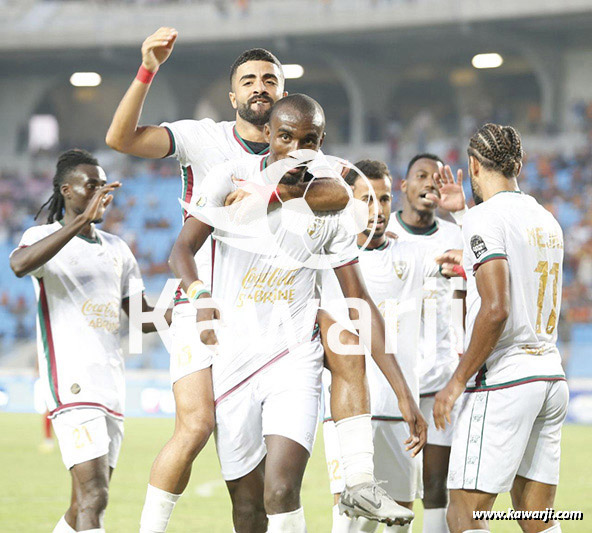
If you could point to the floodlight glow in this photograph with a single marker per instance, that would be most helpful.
(493, 60)
(85, 79)
(293, 72)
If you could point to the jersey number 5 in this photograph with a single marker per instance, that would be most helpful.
(543, 269)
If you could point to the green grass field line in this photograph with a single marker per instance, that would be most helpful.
(35, 487)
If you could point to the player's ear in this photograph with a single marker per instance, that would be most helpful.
(404, 186)
(474, 165)
(519, 169)
(266, 133)
(65, 190)
(322, 139)
(232, 98)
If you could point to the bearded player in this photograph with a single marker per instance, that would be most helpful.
(509, 383)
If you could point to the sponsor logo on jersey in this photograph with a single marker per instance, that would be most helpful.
(478, 246)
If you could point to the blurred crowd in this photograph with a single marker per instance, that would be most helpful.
(146, 213)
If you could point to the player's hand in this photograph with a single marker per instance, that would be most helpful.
(99, 202)
(444, 402)
(418, 427)
(448, 261)
(157, 48)
(452, 196)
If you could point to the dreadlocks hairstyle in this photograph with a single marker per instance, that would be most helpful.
(498, 148)
(373, 170)
(67, 162)
(254, 54)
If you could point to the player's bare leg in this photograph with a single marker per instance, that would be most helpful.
(350, 409)
(194, 423)
(529, 495)
(435, 493)
(462, 505)
(248, 510)
(67, 523)
(91, 485)
(284, 469)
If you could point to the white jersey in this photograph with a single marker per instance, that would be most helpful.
(259, 286)
(200, 145)
(512, 226)
(394, 275)
(440, 359)
(79, 293)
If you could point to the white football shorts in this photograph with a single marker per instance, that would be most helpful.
(507, 432)
(86, 433)
(437, 437)
(280, 399)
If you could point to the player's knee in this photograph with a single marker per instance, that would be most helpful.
(249, 513)
(281, 497)
(93, 499)
(194, 432)
(435, 493)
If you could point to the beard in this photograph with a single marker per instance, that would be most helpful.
(257, 118)
(476, 191)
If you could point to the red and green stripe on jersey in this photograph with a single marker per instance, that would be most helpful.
(47, 340)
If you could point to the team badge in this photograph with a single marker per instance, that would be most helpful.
(75, 388)
(478, 246)
(315, 227)
(201, 201)
(401, 269)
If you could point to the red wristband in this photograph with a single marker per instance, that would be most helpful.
(458, 269)
(144, 75)
(275, 197)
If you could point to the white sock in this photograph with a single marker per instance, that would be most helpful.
(398, 529)
(357, 449)
(63, 527)
(434, 520)
(343, 524)
(292, 522)
(157, 511)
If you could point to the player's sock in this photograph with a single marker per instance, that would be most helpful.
(343, 524)
(292, 522)
(357, 449)
(398, 529)
(157, 511)
(63, 527)
(434, 520)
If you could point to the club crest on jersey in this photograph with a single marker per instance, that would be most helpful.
(401, 269)
(315, 227)
(478, 246)
(201, 201)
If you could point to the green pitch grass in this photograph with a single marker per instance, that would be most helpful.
(35, 487)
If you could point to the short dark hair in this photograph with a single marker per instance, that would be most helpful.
(498, 148)
(374, 170)
(67, 162)
(302, 103)
(254, 54)
(426, 155)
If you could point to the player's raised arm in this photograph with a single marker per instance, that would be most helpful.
(353, 286)
(493, 284)
(29, 258)
(124, 134)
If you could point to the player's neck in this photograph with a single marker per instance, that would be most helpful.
(248, 131)
(497, 184)
(373, 244)
(87, 230)
(417, 219)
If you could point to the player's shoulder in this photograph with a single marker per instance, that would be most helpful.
(112, 240)
(42, 230)
(448, 227)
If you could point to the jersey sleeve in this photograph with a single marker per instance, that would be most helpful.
(187, 137)
(30, 237)
(483, 238)
(130, 270)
